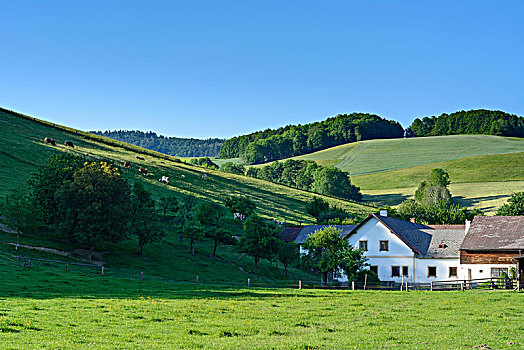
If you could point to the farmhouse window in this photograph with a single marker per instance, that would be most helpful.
(452, 271)
(384, 246)
(405, 270)
(363, 245)
(498, 272)
(374, 269)
(395, 271)
(432, 271)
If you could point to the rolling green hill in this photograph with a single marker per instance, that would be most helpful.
(382, 155)
(22, 151)
(484, 170)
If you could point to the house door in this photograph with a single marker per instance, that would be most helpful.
(520, 270)
(469, 274)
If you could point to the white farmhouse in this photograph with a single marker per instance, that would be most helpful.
(398, 250)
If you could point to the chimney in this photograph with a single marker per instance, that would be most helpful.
(383, 212)
(468, 223)
(413, 220)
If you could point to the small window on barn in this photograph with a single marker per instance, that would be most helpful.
(384, 246)
(452, 271)
(374, 268)
(405, 271)
(395, 271)
(499, 272)
(363, 245)
(432, 271)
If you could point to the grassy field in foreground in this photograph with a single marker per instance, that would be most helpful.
(486, 196)
(373, 156)
(492, 168)
(51, 309)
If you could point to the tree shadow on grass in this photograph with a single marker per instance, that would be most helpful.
(40, 283)
(475, 201)
(385, 199)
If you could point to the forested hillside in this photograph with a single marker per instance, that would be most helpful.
(293, 140)
(174, 146)
(479, 121)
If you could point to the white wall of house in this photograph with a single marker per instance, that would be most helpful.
(442, 266)
(399, 254)
(481, 270)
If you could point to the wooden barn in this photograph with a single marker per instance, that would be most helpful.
(493, 246)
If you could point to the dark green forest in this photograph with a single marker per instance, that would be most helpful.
(478, 121)
(174, 146)
(293, 140)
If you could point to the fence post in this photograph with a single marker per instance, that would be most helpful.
(432, 286)
(406, 286)
(142, 275)
(352, 285)
(300, 285)
(365, 280)
(67, 267)
(196, 279)
(249, 282)
(25, 262)
(102, 270)
(462, 286)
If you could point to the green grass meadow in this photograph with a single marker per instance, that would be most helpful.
(45, 307)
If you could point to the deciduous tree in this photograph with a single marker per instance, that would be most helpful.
(260, 239)
(514, 206)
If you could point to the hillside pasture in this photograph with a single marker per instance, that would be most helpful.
(23, 150)
(374, 156)
(44, 308)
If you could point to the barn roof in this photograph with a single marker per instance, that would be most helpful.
(495, 233)
(289, 234)
(310, 229)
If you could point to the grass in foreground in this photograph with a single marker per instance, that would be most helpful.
(44, 308)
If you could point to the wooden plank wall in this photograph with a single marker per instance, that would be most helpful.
(487, 257)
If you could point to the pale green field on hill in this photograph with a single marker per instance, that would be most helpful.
(382, 155)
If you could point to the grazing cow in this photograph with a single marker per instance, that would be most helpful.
(204, 176)
(69, 144)
(164, 179)
(127, 165)
(142, 171)
(239, 216)
(139, 158)
(50, 141)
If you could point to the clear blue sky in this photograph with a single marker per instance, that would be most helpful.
(224, 68)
